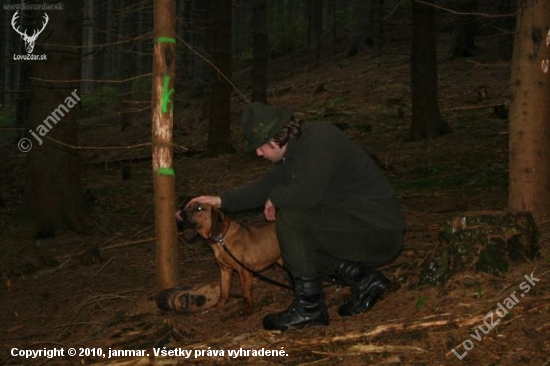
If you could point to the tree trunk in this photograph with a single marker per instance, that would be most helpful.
(358, 40)
(88, 51)
(426, 118)
(9, 68)
(529, 177)
(182, 76)
(23, 96)
(23, 70)
(241, 25)
(259, 64)
(465, 29)
(506, 28)
(219, 133)
(164, 70)
(319, 31)
(378, 28)
(128, 30)
(333, 26)
(109, 55)
(315, 26)
(140, 44)
(202, 40)
(53, 201)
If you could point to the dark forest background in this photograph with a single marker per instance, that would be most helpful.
(440, 92)
(117, 44)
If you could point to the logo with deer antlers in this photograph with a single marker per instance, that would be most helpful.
(29, 40)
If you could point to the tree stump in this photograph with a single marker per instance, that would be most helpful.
(482, 241)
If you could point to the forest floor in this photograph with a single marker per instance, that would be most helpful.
(106, 300)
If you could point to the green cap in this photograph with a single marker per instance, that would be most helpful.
(261, 123)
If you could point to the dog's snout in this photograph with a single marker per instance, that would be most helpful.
(188, 214)
(183, 220)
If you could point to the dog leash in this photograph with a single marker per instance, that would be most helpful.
(220, 241)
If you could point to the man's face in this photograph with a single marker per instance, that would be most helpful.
(271, 151)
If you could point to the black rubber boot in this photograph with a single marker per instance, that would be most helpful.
(308, 307)
(367, 285)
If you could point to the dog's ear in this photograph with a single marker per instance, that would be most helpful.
(216, 222)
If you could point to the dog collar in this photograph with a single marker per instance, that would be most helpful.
(219, 238)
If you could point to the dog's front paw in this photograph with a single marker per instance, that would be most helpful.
(221, 303)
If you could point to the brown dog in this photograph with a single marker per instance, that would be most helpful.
(255, 246)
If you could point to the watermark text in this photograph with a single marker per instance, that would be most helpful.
(490, 321)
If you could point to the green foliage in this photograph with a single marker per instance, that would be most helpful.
(421, 302)
(287, 33)
(243, 59)
(346, 19)
(103, 98)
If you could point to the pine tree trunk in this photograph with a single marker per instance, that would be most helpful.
(426, 117)
(358, 40)
(465, 29)
(219, 132)
(315, 26)
(378, 27)
(109, 56)
(53, 201)
(529, 178)
(88, 51)
(140, 46)
(8, 57)
(184, 57)
(259, 64)
(202, 40)
(23, 73)
(506, 26)
(164, 70)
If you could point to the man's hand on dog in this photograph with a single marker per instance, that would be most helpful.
(214, 201)
(269, 211)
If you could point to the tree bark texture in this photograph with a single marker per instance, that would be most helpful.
(315, 27)
(53, 201)
(8, 71)
(506, 26)
(465, 29)
(164, 70)
(259, 63)
(378, 24)
(88, 52)
(426, 117)
(529, 179)
(219, 133)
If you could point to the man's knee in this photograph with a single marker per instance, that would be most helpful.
(290, 213)
(289, 218)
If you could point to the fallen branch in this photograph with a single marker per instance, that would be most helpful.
(391, 327)
(372, 348)
(269, 339)
(471, 107)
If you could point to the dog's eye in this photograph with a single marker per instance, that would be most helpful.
(199, 208)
